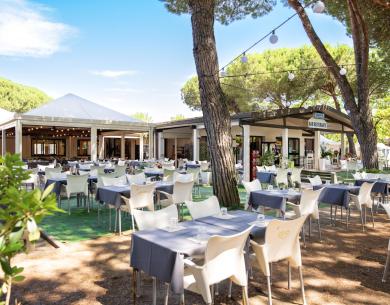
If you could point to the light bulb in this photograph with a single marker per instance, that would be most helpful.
(343, 71)
(319, 7)
(273, 38)
(223, 72)
(244, 59)
(291, 76)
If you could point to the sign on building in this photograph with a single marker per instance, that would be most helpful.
(317, 123)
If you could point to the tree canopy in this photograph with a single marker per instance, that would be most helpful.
(177, 117)
(142, 116)
(19, 98)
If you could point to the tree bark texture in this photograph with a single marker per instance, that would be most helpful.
(358, 106)
(214, 103)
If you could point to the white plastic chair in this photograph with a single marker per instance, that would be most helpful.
(252, 186)
(32, 181)
(204, 166)
(115, 181)
(148, 220)
(357, 176)
(195, 172)
(51, 172)
(308, 206)
(224, 259)
(182, 192)
(205, 208)
(137, 178)
(281, 177)
(76, 185)
(169, 174)
(387, 264)
(183, 177)
(362, 201)
(141, 196)
(120, 170)
(315, 181)
(296, 176)
(281, 243)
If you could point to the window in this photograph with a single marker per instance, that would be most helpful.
(46, 147)
(83, 147)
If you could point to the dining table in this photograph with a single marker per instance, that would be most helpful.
(161, 252)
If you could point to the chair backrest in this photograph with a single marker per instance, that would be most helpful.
(118, 181)
(84, 166)
(195, 173)
(147, 220)
(316, 180)
(169, 174)
(296, 174)
(120, 170)
(51, 172)
(94, 170)
(309, 202)
(356, 176)
(100, 178)
(208, 207)
(260, 168)
(139, 178)
(183, 177)
(182, 191)
(204, 165)
(77, 184)
(365, 194)
(270, 168)
(252, 186)
(387, 208)
(121, 163)
(142, 196)
(282, 240)
(281, 176)
(224, 258)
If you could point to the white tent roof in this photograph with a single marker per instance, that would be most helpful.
(326, 141)
(71, 106)
(5, 115)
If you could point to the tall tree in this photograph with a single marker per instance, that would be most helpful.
(20, 98)
(213, 100)
(356, 99)
(142, 116)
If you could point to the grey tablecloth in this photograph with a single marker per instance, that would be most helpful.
(336, 194)
(192, 165)
(159, 253)
(112, 194)
(380, 186)
(275, 199)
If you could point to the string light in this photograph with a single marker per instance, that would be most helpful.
(319, 7)
(343, 71)
(244, 59)
(273, 38)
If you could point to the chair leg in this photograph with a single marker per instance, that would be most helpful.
(68, 206)
(331, 214)
(319, 228)
(167, 295)
(116, 219)
(372, 217)
(120, 222)
(309, 227)
(132, 222)
(348, 212)
(230, 289)
(217, 289)
(182, 299)
(303, 236)
(154, 298)
(361, 217)
(269, 290)
(387, 266)
(109, 219)
(245, 300)
(135, 286)
(302, 285)
(289, 276)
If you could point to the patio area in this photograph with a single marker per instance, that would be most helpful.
(346, 261)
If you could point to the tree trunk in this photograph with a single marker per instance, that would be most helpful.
(360, 112)
(351, 143)
(216, 115)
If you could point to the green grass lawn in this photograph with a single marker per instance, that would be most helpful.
(81, 225)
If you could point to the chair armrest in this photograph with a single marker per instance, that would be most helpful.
(190, 264)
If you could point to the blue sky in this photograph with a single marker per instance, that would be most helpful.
(130, 55)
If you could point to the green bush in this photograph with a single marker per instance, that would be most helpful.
(20, 211)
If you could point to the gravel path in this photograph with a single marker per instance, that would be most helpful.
(345, 268)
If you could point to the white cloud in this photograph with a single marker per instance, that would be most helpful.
(26, 31)
(114, 73)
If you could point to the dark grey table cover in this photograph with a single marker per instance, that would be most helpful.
(380, 186)
(112, 194)
(192, 165)
(336, 194)
(62, 181)
(274, 199)
(160, 253)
